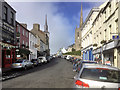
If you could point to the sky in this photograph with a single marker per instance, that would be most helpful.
(62, 19)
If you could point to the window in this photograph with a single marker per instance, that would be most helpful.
(23, 41)
(26, 34)
(12, 18)
(105, 34)
(116, 25)
(105, 14)
(101, 75)
(117, 1)
(5, 13)
(110, 9)
(77, 34)
(110, 32)
(23, 31)
(26, 44)
(18, 28)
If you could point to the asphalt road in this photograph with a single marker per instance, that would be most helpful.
(56, 74)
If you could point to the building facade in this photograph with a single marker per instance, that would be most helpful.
(32, 46)
(86, 38)
(43, 39)
(22, 37)
(105, 28)
(8, 40)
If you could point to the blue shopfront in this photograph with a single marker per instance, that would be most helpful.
(88, 55)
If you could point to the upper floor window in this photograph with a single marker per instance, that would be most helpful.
(26, 44)
(5, 13)
(110, 9)
(117, 1)
(26, 34)
(18, 28)
(12, 18)
(116, 25)
(23, 31)
(23, 41)
(105, 14)
(77, 34)
(110, 28)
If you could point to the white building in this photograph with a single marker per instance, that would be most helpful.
(32, 46)
(87, 31)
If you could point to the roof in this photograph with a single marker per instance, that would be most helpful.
(22, 26)
(95, 9)
(99, 66)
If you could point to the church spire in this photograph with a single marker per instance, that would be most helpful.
(81, 17)
(46, 26)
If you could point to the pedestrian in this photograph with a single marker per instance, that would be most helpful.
(74, 64)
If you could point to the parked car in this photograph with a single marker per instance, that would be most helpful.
(43, 59)
(97, 76)
(68, 57)
(35, 62)
(65, 56)
(80, 63)
(49, 58)
(22, 63)
(71, 59)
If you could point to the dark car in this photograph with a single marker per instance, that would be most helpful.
(35, 62)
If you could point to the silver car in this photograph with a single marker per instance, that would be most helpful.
(97, 76)
(22, 64)
(43, 59)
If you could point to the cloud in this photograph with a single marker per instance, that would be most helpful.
(59, 26)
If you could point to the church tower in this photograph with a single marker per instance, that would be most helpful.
(81, 17)
(78, 32)
(46, 26)
(47, 35)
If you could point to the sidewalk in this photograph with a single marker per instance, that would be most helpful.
(6, 69)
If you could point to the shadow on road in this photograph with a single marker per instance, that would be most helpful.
(20, 72)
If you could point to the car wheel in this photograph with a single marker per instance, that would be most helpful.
(25, 68)
(32, 66)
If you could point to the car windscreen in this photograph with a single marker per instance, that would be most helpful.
(101, 75)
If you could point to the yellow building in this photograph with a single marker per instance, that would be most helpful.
(105, 26)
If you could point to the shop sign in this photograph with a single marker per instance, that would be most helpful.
(108, 46)
(8, 27)
(97, 51)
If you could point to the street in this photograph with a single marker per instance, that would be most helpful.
(56, 74)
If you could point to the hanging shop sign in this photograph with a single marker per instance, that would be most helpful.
(115, 37)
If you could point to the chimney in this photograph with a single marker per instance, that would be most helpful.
(24, 25)
(36, 26)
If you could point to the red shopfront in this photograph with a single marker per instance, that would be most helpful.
(8, 57)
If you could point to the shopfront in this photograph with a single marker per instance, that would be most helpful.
(109, 57)
(8, 55)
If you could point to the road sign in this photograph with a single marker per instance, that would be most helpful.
(115, 37)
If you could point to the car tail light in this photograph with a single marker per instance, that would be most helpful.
(20, 64)
(119, 88)
(80, 83)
